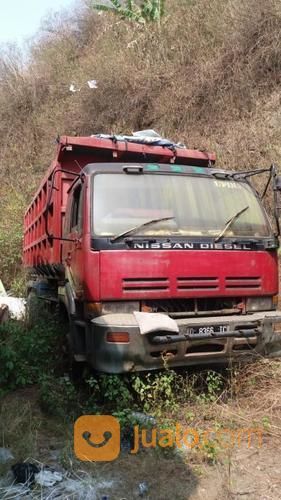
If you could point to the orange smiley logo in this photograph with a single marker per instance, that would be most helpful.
(97, 438)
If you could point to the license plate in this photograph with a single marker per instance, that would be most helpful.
(207, 330)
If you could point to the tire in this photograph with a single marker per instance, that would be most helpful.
(32, 308)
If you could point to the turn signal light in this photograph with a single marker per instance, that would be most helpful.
(275, 300)
(92, 309)
(118, 337)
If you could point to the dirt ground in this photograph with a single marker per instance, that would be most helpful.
(248, 467)
(246, 472)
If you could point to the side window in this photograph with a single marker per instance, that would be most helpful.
(76, 210)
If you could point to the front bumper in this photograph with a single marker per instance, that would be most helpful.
(245, 336)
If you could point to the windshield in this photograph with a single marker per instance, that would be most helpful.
(188, 205)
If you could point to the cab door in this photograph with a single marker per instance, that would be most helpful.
(72, 250)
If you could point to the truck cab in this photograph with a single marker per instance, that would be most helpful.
(162, 262)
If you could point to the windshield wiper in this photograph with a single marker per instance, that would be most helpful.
(139, 226)
(229, 223)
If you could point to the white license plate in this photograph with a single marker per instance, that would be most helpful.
(207, 330)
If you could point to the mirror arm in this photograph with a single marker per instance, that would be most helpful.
(45, 214)
(272, 174)
(275, 198)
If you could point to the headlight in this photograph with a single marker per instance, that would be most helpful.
(259, 304)
(94, 309)
(120, 307)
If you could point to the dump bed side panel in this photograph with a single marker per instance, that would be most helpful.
(73, 153)
(39, 250)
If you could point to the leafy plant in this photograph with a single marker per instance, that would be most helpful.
(210, 451)
(266, 422)
(153, 10)
(115, 391)
(214, 385)
(59, 397)
(157, 391)
(26, 353)
(146, 11)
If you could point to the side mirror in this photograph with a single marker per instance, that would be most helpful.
(277, 183)
(277, 207)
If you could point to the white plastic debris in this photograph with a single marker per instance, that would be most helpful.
(148, 136)
(143, 488)
(3, 292)
(73, 89)
(146, 133)
(5, 455)
(16, 306)
(48, 478)
(92, 84)
(56, 485)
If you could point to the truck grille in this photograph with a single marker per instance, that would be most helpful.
(243, 282)
(195, 307)
(197, 283)
(145, 284)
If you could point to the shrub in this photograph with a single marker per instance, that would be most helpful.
(26, 353)
(59, 397)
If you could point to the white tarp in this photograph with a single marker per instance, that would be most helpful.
(148, 136)
(16, 306)
(153, 322)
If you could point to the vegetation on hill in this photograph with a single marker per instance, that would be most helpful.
(209, 75)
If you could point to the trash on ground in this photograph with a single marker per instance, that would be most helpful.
(84, 488)
(67, 489)
(16, 306)
(3, 292)
(92, 84)
(15, 492)
(5, 455)
(48, 478)
(41, 482)
(143, 488)
(25, 472)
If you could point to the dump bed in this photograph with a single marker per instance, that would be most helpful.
(73, 153)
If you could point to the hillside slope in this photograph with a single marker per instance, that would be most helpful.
(211, 81)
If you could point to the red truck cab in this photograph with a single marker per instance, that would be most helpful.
(119, 228)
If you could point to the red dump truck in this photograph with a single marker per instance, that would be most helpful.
(153, 254)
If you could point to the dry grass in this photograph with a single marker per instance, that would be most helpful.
(211, 82)
(257, 398)
(188, 78)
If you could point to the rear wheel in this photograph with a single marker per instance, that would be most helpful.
(32, 308)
